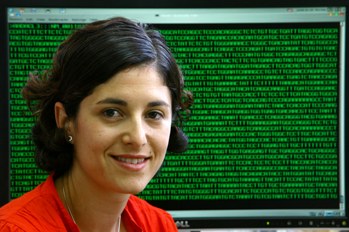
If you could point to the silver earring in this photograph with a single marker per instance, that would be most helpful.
(70, 139)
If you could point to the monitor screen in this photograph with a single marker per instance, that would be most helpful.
(267, 132)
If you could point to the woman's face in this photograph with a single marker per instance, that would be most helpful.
(122, 131)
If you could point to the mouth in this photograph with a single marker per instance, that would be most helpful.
(129, 160)
(131, 163)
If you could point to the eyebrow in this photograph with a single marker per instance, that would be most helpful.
(114, 101)
(117, 101)
(158, 103)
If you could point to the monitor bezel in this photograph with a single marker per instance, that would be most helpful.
(4, 93)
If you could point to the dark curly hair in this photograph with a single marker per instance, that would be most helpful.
(87, 58)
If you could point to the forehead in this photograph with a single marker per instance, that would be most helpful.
(144, 74)
(141, 79)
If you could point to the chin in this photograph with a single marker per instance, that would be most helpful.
(135, 189)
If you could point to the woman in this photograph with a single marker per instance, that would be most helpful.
(106, 113)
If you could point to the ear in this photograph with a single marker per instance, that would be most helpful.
(60, 115)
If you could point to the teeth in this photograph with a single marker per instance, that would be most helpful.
(129, 160)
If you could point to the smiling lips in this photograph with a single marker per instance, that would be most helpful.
(136, 163)
(130, 160)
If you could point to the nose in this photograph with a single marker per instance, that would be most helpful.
(135, 133)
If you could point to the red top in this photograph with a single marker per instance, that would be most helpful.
(42, 210)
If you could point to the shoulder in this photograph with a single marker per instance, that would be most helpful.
(9, 227)
(37, 210)
(148, 216)
(137, 204)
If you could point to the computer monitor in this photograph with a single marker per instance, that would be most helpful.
(268, 129)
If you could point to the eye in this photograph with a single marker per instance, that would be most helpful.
(111, 113)
(157, 115)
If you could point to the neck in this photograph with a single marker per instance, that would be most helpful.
(90, 209)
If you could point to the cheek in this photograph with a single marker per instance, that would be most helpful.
(89, 137)
(163, 139)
